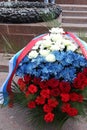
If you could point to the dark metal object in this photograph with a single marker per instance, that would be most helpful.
(27, 12)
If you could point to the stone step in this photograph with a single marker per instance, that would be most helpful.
(74, 13)
(80, 28)
(4, 68)
(4, 61)
(82, 2)
(73, 7)
(74, 19)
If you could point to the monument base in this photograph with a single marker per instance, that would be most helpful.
(13, 37)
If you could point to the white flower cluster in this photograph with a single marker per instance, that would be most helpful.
(56, 40)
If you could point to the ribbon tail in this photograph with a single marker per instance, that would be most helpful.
(3, 89)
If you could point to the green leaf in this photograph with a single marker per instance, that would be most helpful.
(15, 88)
(79, 107)
(84, 92)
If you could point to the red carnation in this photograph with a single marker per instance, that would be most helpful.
(31, 104)
(85, 71)
(72, 112)
(52, 102)
(80, 99)
(81, 76)
(69, 110)
(40, 100)
(82, 80)
(65, 107)
(45, 93)
(65, 97)
(55, 92)
(47, 108)
(27, 93)
(79, 83)
(32, 89)
(20, 80)
(36, 80)
(85, 82)
(43, 85)
(27, 79)
(21, 84)
(64, 87)
(76, 97)
(49, 117)
(53, 83)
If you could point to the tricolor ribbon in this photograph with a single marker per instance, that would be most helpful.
(5, 90)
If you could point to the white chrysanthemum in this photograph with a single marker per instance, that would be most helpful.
(61, 46)
(46, 43)
(33, 54)
(54, 47)
(66, 42)
(35, 47)
(57, 30)
(50, 58)
(56, 37)
(72, 47)
(79, 51)
(47, 37)
(38, 43)
(44, 52)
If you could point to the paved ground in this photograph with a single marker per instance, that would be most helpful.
(13, 119)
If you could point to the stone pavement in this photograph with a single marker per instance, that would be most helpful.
(15, 118)
(12, 118)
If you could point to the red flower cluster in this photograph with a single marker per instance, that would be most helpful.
(27, 79)
(80, 82)
(32, 89)
(54, 94)
(21, 84)
(66, 108)
(76, 97)
(65, 97)
(31, 104)
(40, 100)
(49, 117)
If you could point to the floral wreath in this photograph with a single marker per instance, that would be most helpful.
(52, 79)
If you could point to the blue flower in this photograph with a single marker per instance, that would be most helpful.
(36, 73)
(68, 74)
(59, 55)
(69, 58)
(25, 59)
(38, 60)
(83, 62)
(45, 76)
